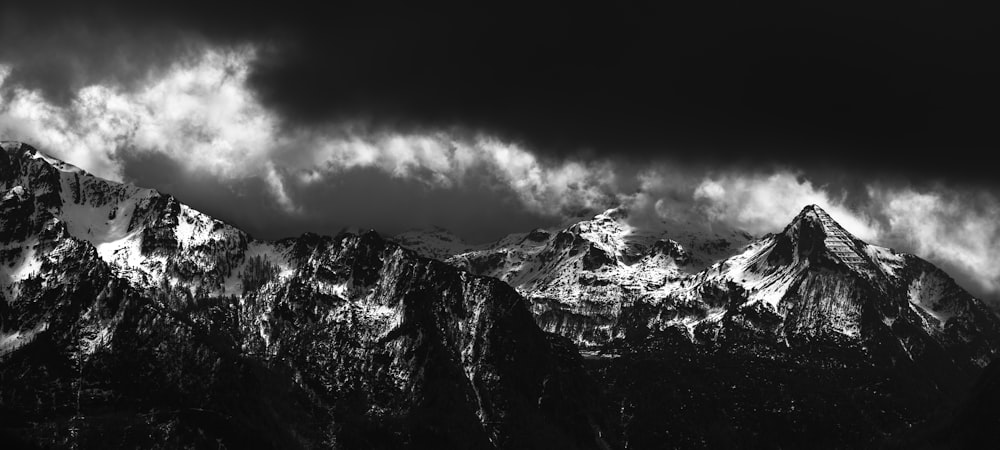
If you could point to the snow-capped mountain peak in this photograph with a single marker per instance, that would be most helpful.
(593, 265)
(595, 279)
(813, 235)
(142, 234)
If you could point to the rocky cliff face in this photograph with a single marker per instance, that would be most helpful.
(129, 319)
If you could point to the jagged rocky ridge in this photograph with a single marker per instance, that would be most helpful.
(868, 343)
(128, 319)
(598, 280)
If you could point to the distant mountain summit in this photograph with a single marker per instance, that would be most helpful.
(435, 243)
(597, 280)
(814, 280)
(579, 277)
(803, 323)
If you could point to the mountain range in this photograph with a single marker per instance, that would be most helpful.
(129, 319)
(599, 280)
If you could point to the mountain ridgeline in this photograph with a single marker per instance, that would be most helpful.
(130, 320)
(600, 281)
(807, 337)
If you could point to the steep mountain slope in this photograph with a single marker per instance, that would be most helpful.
(129, 319)
(815, 282)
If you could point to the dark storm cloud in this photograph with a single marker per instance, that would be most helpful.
(905, 88)
(60, 47)
(61, 59)
(730, 83)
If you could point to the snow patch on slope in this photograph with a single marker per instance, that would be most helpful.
(12, 341)
(888, 261)
(100, 212)
(924, 294)
(764, 284)
(194, 228)
(30, 265)
(26, 264)
(16, 191)
(62, 166)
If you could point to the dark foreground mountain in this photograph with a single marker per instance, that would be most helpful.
(129, 320)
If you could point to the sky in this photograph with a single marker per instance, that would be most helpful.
(503, 117)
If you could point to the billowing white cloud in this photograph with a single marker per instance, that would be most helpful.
(200, 113)
(960, 230)
(81, 138)
(443, 161)
(197, 112)
(760, 203)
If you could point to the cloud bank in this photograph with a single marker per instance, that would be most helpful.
(200, 115)
(763, 203)
(959, 229)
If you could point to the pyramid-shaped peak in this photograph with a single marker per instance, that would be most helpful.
(814, 223)
(814, 229)
(814, 213)
(814, 208)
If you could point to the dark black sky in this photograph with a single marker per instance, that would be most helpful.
(907, 88)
